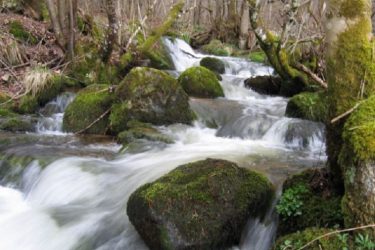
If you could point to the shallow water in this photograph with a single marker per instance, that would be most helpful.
(70, 192)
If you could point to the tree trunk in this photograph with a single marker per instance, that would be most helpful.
(351, 79)
(64, 18)
(111, 38)
(245, 25)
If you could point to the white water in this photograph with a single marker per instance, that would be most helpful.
(52, 115)
(79, 202)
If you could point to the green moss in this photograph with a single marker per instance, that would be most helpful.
(217, 48)
(359, 131)
(16, 124)
(207, 202)
(150, 96)
(159, 57)
(213, 64)
(18, 31)
(90, 104)
(6, 113)
(88, 68)
(318, 205)
(258, 56)
(309, 106)
(27, 104)
(200, 82)
(297, 240)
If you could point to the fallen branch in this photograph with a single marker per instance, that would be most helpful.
(312, 75)
(336, 232)
(94, 122)
(334, 120)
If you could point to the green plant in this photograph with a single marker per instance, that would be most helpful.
(343, 238)
(364, 242)
(290, 203)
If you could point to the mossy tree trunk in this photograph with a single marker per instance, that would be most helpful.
(351, 79)
(145, 49)
(273, 46)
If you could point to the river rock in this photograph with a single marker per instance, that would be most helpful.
(150, 96)
(201, 82)
(200, 205)
(309, 106)
(18, 124)
(265, 85)
(214, 64)
(87, 109)
(138, 130)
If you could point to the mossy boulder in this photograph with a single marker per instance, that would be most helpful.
(217, 48)
(90, 104)
(200, 82)
(18, 124)
(309, 200)
(159, 57)
(297, 240)
(139, 130)
(265, 85)
(200, 205)
(214, 64)
(258, 56)
(309, 106)
(150, 96)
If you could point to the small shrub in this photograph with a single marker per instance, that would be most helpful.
(290, 203)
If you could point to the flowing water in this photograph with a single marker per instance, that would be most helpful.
(61, 192)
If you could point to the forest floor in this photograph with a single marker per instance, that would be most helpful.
(24, 44)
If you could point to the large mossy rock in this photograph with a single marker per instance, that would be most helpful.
(265, 85)
(309, 200)
(150, 96)
(201, 205)
(90, 104)
(297, 240)
(308, 106)
(217, 48)
(214, 64)
(200, 82)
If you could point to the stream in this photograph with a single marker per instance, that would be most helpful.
(59, 191)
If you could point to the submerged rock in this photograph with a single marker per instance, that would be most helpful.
(89, 105)
(150, 96)
(265, 85)
(201, 82)
(200, 205)
(138, 130)
(308, 106)
(214, 64)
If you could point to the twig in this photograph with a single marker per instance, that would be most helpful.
(336, 232)
(312, 75)
(334, 120)
(94, 122)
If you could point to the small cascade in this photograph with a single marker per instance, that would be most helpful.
(184, 57)
(53, 114)
(78, 201)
